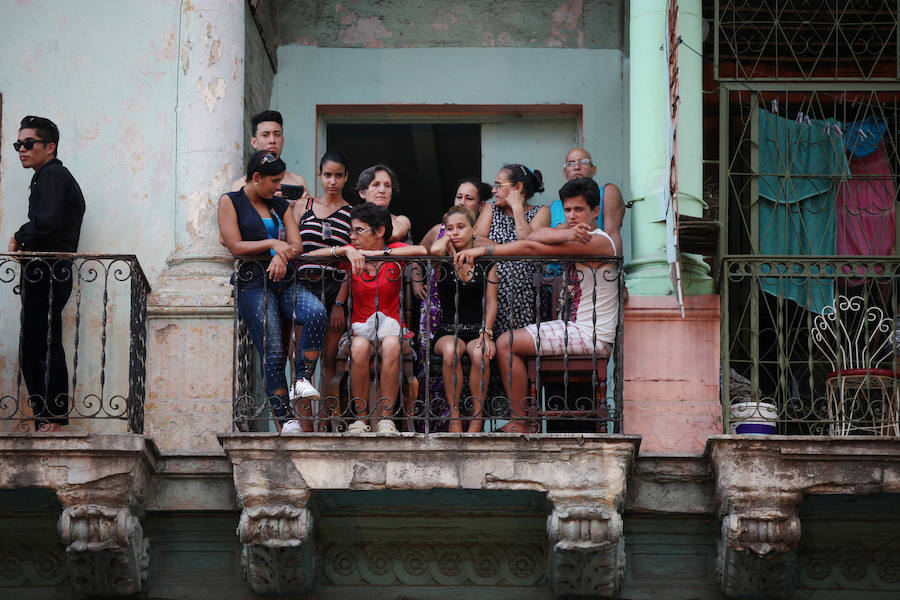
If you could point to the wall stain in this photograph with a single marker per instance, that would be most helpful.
(211, 92)
(215, 52)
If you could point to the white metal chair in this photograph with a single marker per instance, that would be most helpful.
(861, 389)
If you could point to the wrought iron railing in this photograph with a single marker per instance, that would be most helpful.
(565, 393)
(810, 345)
(805, 39)
(84, 315)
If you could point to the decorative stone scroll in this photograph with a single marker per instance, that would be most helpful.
(277, 555)
(760, 484)
(106, 551)
(757, 553)
(587, 556)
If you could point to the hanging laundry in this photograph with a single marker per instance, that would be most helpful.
(800, 164)
(863, 137)
(866, 209)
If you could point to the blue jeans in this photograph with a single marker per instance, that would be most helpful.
(270, 310)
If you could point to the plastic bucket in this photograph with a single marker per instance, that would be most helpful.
(753, 418)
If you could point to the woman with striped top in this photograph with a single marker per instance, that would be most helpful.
(325, 231)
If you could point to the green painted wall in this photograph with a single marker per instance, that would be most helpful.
(469, 23)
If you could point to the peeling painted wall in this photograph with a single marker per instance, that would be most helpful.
(310, 76)
(258, 72)
(468, 23)
(105, 72)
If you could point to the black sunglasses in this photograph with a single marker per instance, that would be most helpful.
(27, 143)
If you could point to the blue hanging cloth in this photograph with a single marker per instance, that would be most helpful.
(800, 165)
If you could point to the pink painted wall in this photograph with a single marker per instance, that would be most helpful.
(672, 373)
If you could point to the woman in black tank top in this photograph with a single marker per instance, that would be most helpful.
(466, 324)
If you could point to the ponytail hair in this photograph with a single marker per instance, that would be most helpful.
(532, 181)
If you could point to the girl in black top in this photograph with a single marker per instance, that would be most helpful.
(468, 311)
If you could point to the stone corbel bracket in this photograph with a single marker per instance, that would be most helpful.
(587, 551)
(277, 556)
(584, 476)
(276, 526)
(106, 550)
(101, 481)
(760, 485)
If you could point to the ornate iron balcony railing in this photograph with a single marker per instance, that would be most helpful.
(810, 344)
(568, 392)
(91, 308)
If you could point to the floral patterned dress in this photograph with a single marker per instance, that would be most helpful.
(515, 288)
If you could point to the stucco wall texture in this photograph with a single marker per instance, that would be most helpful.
(469, 23)
(105, 73)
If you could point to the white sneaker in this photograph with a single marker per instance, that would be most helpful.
(302, 388)
(358, 427)
(386, 426)
(292, 426)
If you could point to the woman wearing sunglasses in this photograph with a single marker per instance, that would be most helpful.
(268, 295)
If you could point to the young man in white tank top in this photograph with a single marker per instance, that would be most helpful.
(593, 288)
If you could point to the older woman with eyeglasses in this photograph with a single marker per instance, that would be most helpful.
(509, 218)
(267, 293)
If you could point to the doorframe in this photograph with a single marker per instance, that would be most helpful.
(436, 113)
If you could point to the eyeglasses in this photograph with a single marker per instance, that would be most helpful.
(27, 143)
(574, 163)
(268, 158)
(497, 185)
(359, 230)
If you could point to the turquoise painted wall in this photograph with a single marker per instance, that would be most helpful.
(105, 72)
(309, 76)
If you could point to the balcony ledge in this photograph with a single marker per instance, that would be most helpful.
(760, 483)
(583, 475)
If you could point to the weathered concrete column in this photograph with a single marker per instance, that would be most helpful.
(210, 130)
(190, 325)
(648, 271)
(673, 399)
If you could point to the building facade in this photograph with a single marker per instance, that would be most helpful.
(755, 147)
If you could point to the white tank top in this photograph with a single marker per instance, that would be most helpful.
(602, 280)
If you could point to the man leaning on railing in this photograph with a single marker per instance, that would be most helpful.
(591, 325)
(55, 211)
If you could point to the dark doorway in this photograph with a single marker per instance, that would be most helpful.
(428, 158)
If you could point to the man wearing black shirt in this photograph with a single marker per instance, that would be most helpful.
(55, 210)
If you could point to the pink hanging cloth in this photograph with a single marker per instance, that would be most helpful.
(866, 223)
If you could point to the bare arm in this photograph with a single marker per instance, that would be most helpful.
(431, 236)
(441, 247)
(561, 234)
(483, 225)
(613, 214)
(598, 246)
(401, 226)
(490, 298)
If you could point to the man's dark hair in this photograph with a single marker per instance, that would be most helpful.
(44, 127)
(368, 176)
(581, 186)
(374, 216)
(266, 115)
